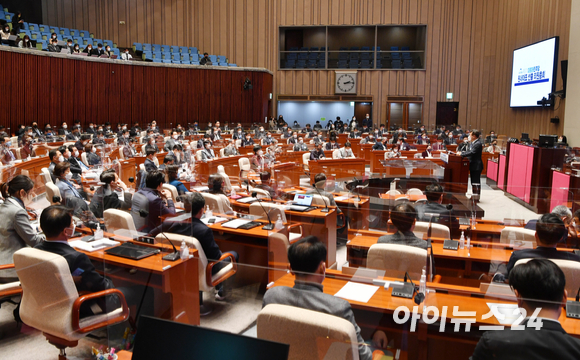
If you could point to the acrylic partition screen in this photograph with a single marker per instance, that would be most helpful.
(520, 171)
(560, 185)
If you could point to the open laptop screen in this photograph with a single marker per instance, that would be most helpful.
(303, 199)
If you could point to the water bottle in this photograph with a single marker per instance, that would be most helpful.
(279, 224)
(98, 232)
(423, 282)
(233, 192)
(208, 212)
(184, 251)
(468, 246)
(462, 241)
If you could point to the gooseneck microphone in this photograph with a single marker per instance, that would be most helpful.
(270, 226)
(172, 256)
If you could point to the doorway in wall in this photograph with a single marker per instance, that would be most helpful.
(361, 109)
(447, 113)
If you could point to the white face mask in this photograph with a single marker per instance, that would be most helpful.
(61, 158)
(260, 153)
(93, 150)
(68, 176)
(301, 141)
(76, 153)
(69, 231)
(64, 126)
(295, 136)
(175, 136)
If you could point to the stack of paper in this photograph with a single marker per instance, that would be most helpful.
(93, 245)
(357, 292)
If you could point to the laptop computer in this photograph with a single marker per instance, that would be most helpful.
(302, 203)
(132, 251)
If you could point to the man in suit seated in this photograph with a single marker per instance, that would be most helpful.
(53, 46)
(540, 289)
(317, 138)
(550, 230)
(154, 198)
(99, 50)
(74, 135)
(75, 168)
(378, 145)
(457, 131)
(346, 151)
(402, 145)
(300, 145)
(63, 129)
(201, 232)
(293, 139)
(464, 146)
(317, 153)
(230, 149)
(238, 134)
(55, 157)
(403, 217)
(307, 259)
(268, 140)
(152, 145)
(370, 139)
(332, 144)
(129, 150)
(248, 141)
(434, 194)
(449, 140)
(149, 162)
(207, 152)
(167, 160)
(170, 143)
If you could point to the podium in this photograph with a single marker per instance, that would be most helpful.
(456, 174)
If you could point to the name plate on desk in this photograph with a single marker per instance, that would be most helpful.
(450, 245)
(444, 157)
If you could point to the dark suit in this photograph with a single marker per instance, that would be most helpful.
(332, 146)
(97, 52)
(62, 131)
(75, 168)
(85, 275)
(550, 342)
(72, 136)
(400, 238)
(149, 165)
(475, 163)
(540, 252)
(316, 154)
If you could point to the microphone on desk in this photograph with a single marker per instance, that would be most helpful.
(172, 256)
(131, 179)
(270, 226)
(56, 199)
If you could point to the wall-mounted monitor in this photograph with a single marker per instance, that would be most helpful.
(534, 73)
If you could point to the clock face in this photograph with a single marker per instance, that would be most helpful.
(345, 83)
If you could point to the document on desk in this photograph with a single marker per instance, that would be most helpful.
(200, 188)
(247, 200)
(341, 198)
(357, 292)
(236, 223)
(509, 312)
(93, 245)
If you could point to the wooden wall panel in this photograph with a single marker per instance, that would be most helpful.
(52, 89)
(469, 46)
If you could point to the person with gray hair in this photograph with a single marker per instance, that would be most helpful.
(565, 215)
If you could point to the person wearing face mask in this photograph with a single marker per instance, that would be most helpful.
(7, 155)
(53, 46)
(231, 150)
(88, 49)
(27, 132)
(268, 140)
(317, 153)
(99, 50)
(76, 49)
(91, 129)
(82, 142)
(149, 163)
(332, 144)
(25, 43)
(74, 135)
(247, 141)
(464, 146)
(171, 142)
(353, 124)
(63, 129)
(367, 140)
(55, 157)
(378, 145)
(92, 157)
(27, 148)
(257, 162)
(108, 51)
(449, 140)
(123, 140)
(293, 139)
(207, 152)
(316, 138)
(126, 56)
(70, 193)
(5, 34)
(152, 145)
(300, 145)
(129, 150)
(216, 185)
(260, 133)
(111, 195)
(36, 132)
(317, 126)
(354, 134)
(202, 141)
(239, 134)
(215, 134)
(99, 139)
(17, 231)
(75, 169)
